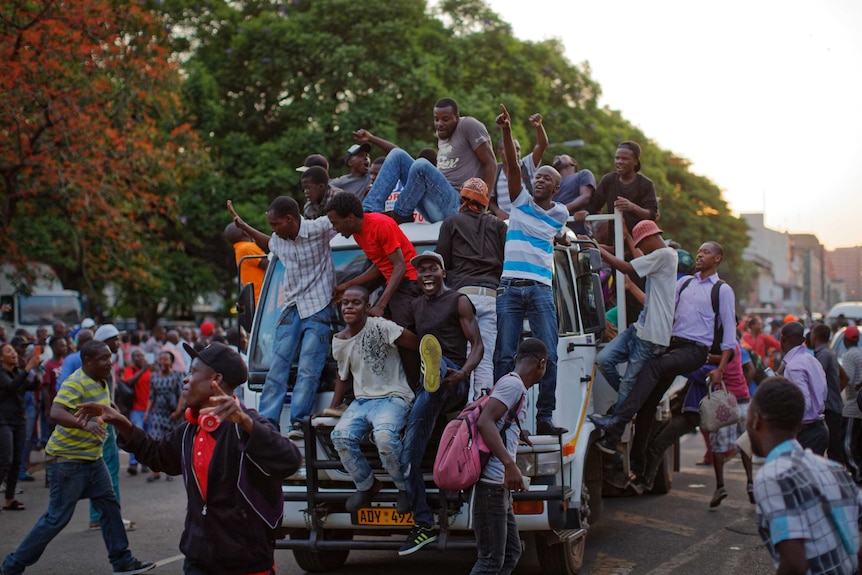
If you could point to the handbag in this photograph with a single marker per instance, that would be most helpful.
(718, 409)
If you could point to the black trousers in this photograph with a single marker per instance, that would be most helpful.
(814, 436)
(835, 450)
(654, 379)
(851, 429)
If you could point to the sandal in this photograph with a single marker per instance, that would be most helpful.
(15, 505)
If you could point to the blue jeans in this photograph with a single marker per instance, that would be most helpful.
(536, 303)
(136, 416)
(385, 418)
(497, 539)
(627, 346)
(72, 481)
(427, 407)
(426, 190)
(111, 457)
(309, 338)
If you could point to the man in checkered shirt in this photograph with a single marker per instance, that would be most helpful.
(808, 508)
(304, 329)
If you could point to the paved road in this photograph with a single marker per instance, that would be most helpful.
(675, 534)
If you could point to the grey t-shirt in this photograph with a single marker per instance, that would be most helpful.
(509, 389)
(456, 158)
(354, 184)
(570, 190)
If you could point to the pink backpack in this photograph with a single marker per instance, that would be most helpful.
(462, 453)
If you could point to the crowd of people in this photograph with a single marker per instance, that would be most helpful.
(445, 329)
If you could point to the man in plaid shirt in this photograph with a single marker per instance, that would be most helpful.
(808, 508)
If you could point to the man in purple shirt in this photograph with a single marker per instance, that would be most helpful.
(694, 328)
(805, 371)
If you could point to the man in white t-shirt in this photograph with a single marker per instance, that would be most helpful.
(368, 349)
(650, 334)
(497, 540)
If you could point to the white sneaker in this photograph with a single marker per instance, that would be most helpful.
(129, 525)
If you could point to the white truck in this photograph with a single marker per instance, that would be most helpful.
(567, 473)
(39, 301)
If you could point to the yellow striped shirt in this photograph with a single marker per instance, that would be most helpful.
(72, 442)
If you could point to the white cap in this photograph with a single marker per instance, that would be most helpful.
(106, 332)
(88, 323)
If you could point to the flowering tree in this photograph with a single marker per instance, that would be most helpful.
(93, 145)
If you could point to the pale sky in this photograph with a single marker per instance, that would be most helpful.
(764, 97)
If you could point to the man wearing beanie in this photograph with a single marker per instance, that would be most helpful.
(472, 244)
(625, 189)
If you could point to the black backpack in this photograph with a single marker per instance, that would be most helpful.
(718, 328)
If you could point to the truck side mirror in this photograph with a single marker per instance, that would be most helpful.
(245, 306)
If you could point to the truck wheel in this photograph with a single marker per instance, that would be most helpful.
(561, 558)
(321, 561)
(664, 476)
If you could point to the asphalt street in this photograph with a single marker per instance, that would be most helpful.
(670, 534)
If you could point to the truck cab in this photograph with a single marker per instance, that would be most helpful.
(566, 473)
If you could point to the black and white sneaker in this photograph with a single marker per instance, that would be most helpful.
(419, 537)
(296, 432)
(136, 567)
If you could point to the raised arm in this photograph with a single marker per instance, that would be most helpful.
(512, 163)
(260, 238)
(362, 135)
(541, 139)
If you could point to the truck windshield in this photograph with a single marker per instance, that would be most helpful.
(44, 309)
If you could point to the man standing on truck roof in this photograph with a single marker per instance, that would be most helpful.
(497, 540)
(464, 152)
(694, 328)
(232, 460)
(472, 244)
(526, 285)
(650, 334)
(446, 322)
(390, 251)
(304, 326)
(367, 349)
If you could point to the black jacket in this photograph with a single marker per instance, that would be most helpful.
(234, 533)
(12, 388)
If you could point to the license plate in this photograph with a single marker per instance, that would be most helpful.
(381, 516)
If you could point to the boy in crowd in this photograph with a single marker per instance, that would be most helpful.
(497, 539)
(808, 508)
(367, 349)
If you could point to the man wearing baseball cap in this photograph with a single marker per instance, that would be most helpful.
(851, 424)
(446, 323)
(472, 244)
(357, 179)
(650, 334)
(695, 326)
(233, 462)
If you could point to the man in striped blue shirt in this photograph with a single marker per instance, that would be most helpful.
(525, 286)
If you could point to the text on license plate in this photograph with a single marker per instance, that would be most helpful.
(381, 516)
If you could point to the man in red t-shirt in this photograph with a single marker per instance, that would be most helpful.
(137, 377)
(760, 343)
(390, 251)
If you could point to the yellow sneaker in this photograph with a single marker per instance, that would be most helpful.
(431, 354)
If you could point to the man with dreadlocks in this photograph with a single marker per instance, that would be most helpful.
(472, 244)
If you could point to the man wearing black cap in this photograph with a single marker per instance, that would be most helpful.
(446, 321)
(357, 180)
(233, 462)
(625, 189)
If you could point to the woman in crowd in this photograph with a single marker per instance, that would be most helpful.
(14, 381)
(165, 406)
